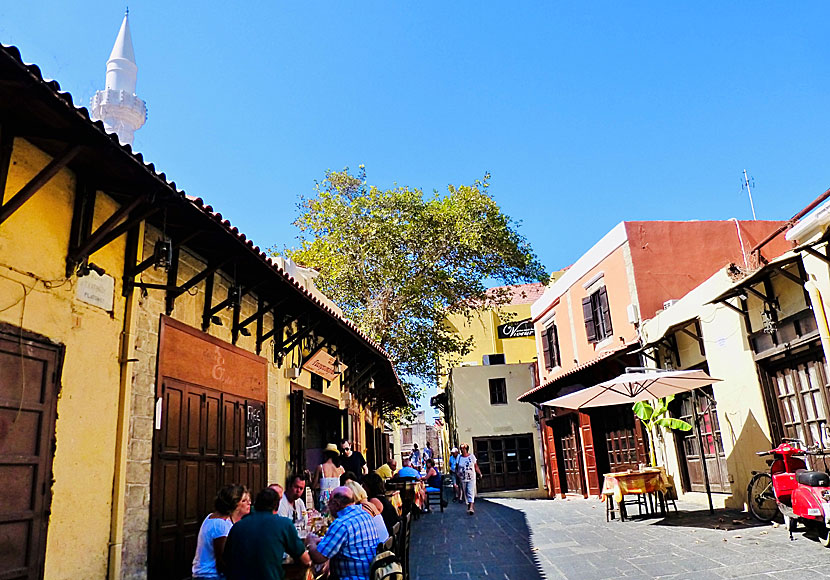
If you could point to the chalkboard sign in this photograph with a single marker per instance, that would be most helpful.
(253, 432)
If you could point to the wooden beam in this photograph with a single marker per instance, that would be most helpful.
(732, 306)
(814, 252)
(172, 283)
(789, 276)
(132, 273)
(758, 294)
(292, 341)
(109, 230)
(6, 147)
(207, 312)
(201, 276)
(38, 181)
(260, 304)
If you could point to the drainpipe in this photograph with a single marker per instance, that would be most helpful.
(820, 314)
(122, 438)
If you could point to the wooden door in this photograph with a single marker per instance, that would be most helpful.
(800, 391)
(569, 454)
(551, 466)
(200, 447)
(506, 462)
(689, 444)
(297, 437)
(29, 384)
(623, 439)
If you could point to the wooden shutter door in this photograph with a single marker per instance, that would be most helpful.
(551, 468)
(546, 348)
(605, 312)
(591, 474)
(297, 437)
(29, 379)
(590, 323)
(556, 356)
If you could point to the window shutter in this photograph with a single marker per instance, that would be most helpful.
(546, 349)
(554, 350)
(590, 323)
(605, 312)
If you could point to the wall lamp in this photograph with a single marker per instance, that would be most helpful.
(163, 254)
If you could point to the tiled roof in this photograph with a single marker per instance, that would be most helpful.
(66, 99)
(599, 358)
(522, 293)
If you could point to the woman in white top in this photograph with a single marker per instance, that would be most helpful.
(231, 504)
(327, 476)
(467, 469)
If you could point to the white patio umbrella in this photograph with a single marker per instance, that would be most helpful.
(630, 387)
(642, 384)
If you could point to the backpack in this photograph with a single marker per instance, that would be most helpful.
(386, 566)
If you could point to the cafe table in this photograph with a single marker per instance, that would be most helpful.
(649, 482)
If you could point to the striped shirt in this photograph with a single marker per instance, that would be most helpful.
(351, 543)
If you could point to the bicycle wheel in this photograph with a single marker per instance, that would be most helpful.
(761, 498)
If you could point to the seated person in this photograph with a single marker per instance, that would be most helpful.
(407, 472)
(348, 476)
(432, 477)
(256, 544)
(373, 483)
(373, 509)
(351, 541)
(388, 469)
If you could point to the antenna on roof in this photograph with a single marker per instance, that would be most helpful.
(745, 184)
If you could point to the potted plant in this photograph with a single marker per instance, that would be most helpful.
(655, 418)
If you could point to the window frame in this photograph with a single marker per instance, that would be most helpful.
(550, 346)
(597, 314)
(500, 391)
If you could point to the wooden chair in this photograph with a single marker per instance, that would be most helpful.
(403, 543)
(435, 494)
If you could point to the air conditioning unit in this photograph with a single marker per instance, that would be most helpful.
(669, 303)
(633, 313)
(293, 372)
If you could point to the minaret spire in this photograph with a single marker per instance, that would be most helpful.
(117, 105)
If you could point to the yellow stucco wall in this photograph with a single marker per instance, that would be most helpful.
(740, 405)
(483, 326)
(35, 241)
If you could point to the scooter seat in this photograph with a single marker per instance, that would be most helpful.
(812, 478)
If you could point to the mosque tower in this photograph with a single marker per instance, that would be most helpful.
(117, 105)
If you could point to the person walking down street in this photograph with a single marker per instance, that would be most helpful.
(351, 541)
(456, 489)
(467, 471)
(415, 457)
(428, 452)
(292, 505)
(232, 503)
(353, 460)
(256, 545)
(327, 476)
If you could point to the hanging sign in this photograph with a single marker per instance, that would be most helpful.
(322, 364)
(517, 329)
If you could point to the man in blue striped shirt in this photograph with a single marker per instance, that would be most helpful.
(351, 541)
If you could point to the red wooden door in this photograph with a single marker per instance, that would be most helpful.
(29, 383)
(591, 474)
(551, 466)
(566, 435)
(201, 446)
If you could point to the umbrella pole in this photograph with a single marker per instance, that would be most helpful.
(702, 453)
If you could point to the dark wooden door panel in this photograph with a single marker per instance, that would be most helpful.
(201, 447)
(506, 462)
(29, 384)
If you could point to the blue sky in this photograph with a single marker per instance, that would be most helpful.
(585, 114)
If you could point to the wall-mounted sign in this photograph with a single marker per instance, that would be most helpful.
(253, 431)
(96, 290)
(516, 329)
(322, 364)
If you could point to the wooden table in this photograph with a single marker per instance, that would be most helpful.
(646, 482)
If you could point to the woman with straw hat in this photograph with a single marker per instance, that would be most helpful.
(327, 476)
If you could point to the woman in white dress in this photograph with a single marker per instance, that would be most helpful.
(232, 503)
(327, 476)
(467, 470)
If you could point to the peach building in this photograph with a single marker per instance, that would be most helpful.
(587, 328)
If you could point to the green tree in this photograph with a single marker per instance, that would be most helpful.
(398, 262)
(655, 419)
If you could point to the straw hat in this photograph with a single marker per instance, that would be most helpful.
(332, 447)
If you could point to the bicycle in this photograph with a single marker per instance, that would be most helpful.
(760, 493)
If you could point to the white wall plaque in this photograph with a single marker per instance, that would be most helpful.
(96, 290)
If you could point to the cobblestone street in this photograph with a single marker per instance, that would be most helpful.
(536, 539)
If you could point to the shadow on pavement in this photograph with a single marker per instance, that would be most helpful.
(721, 519)
(494, 543)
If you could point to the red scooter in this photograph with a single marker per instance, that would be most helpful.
(799, 494)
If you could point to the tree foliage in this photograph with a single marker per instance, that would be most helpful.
(398, 261)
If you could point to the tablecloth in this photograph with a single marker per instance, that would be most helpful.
(635, 482)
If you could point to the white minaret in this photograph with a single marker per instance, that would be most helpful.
(117, 105)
